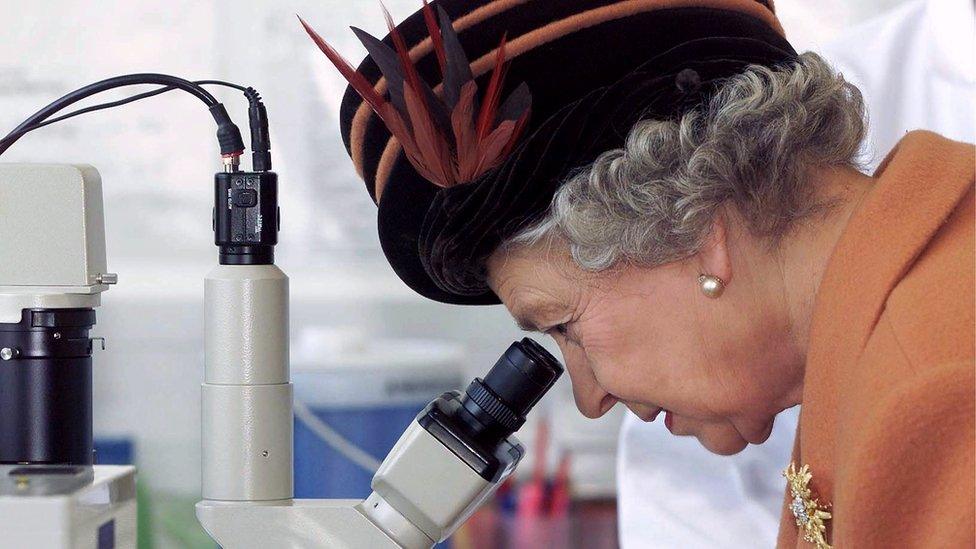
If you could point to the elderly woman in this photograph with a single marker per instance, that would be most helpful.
(671, 192)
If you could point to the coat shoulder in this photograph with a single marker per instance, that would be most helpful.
(930, 312)
(908, 436)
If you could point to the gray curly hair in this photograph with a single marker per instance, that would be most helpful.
(753, 145)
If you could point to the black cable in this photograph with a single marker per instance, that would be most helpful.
(222, 83)
(113, 104)
(228, 135)
(257, 117)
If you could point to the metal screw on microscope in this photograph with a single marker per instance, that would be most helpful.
(8, 354)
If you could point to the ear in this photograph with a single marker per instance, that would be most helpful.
(713, 257)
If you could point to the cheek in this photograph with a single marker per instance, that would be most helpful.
(622, 353)
(646, 349)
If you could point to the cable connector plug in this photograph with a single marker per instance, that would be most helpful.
(260, 138)
(228, 134)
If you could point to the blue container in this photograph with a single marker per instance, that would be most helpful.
(114, 451)
(322, 472)
(367, 392)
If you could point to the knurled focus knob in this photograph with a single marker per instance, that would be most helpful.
(493, 406)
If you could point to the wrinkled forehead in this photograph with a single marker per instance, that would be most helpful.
(547, 263)
(534, 292)
(539, 283)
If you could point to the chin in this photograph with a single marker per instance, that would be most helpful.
(724, 447)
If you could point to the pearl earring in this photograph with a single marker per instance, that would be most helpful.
(712, 286)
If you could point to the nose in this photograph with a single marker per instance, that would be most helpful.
(590, 398)
(594, 408)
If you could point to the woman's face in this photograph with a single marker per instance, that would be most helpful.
(649, 338)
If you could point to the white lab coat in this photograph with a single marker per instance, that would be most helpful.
(915, 67)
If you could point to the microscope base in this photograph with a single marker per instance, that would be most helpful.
(291, 524)
(68, 506)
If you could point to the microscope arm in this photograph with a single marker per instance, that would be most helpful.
(301, 523)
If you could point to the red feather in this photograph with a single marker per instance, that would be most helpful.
(490, 101)
(462, 119)
(435, 36)
(409, 70)
(400, 131)
(490, 149)
(436, 153)
(356, 80)
(419, 88)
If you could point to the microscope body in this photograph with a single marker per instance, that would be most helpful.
(436, 475)
(422, 492)
(52, 274)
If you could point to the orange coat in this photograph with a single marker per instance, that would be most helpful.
(887, 422)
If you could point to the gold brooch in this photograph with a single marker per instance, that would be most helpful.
(809, 513)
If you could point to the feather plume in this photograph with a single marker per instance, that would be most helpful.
(435, 36)
(356, 80)
(464, 132)
(517, 132)
(492, 93)
(448, 141)
(490, 148)
(428, 139)
(518, 102)
(432, 107)
(412, 77)
(399, 129)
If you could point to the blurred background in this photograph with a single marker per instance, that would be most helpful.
(367, 353)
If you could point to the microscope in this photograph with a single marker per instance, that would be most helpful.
(448, 462)
(52, 274)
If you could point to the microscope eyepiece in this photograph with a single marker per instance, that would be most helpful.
(522, 375)
(476, 424)
(512, 387)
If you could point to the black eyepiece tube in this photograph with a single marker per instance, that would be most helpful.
(522, 375)
(512, 387)
(475, 425)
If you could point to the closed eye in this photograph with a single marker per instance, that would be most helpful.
(563, 332)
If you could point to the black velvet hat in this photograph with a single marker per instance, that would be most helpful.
(454, 176)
